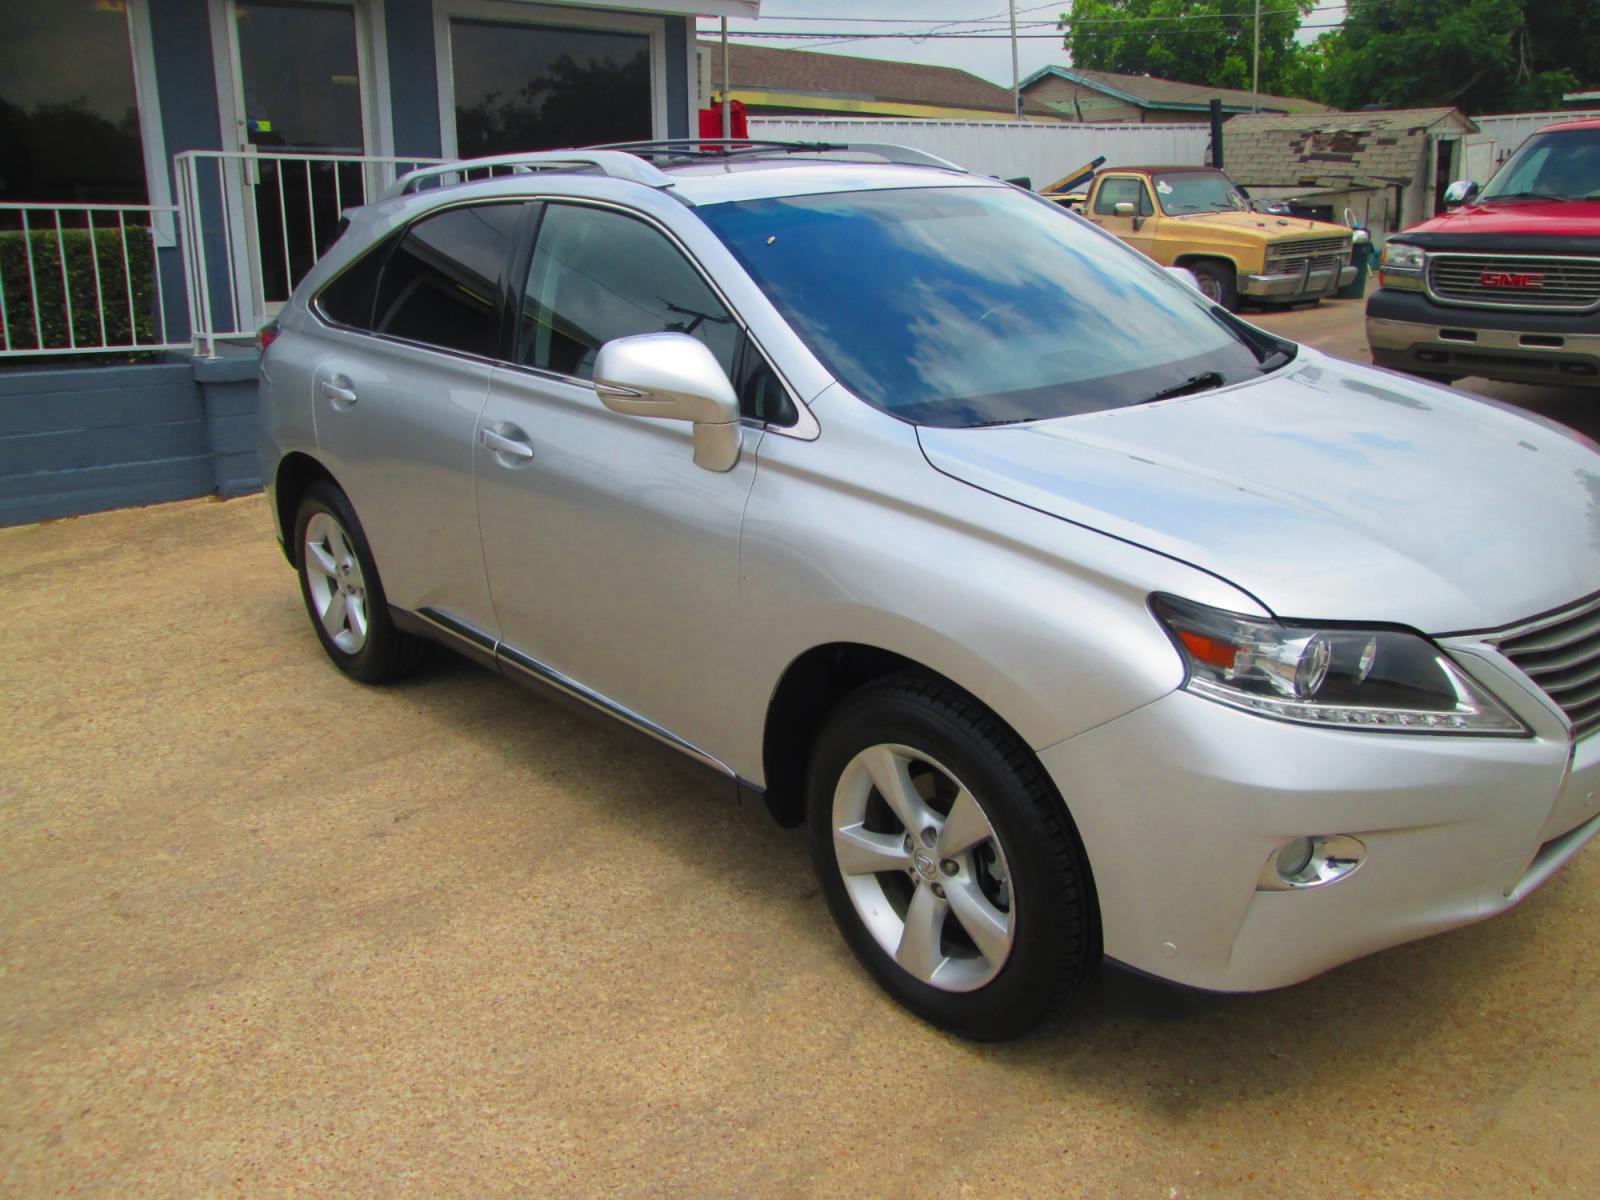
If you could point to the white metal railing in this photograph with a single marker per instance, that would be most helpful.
(82, 279)
(254, 223)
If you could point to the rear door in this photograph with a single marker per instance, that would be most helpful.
(612, 559)
(397, 399)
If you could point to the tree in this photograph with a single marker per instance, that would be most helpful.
(1480, 55)
(1194, 41)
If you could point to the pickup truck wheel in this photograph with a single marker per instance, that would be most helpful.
(344, 596)
(948, 860)
(1217, 281)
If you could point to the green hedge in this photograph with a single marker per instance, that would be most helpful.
(122, 327)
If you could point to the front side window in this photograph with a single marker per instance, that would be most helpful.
(965, 306)
(1123, 190)
(439, 284)
(598, 275)
(1198, 191)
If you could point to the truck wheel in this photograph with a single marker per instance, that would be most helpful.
(1218, 282)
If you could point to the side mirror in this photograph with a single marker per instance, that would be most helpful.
(1462, 191)
(1123, 208)
(674, 376)
(1184, 275)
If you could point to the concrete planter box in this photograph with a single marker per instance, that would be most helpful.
(86, 439)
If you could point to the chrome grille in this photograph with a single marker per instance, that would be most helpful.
(1561, 653)
(1563, 284)
(1280, 252)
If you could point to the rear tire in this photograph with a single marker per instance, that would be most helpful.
(948, 860)
(1218, 281)
(342, 592)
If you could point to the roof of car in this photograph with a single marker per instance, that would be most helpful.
(710, 179)
(1170, 170)
(1590, 123)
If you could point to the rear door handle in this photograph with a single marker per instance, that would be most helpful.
(339, 391)
(509, 446)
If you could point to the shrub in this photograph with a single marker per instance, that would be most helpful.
(122, 327)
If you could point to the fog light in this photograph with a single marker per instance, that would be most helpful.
(1307, 862)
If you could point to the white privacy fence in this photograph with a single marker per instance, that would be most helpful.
(82, 279)
(1043, 152)
(256, 222)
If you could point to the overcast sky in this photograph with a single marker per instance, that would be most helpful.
(1039, 42)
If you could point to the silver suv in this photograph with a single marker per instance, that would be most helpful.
(1074, 616)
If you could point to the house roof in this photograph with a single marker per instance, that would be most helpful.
(1333, 147)
(1147, 91)
(768, 69)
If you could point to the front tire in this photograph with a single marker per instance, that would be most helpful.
(1218, 282)
(948, 860)
(343, 595)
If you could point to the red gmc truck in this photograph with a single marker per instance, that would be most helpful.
(1506, 283)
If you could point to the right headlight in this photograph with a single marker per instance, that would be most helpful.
(1399, 256)
(1378, 679)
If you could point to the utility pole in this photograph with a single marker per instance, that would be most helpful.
(1016, 79)
(727, 94)
(1255, 66)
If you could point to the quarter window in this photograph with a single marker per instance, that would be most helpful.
(440, 284)
(598, 275)
(1123, 191)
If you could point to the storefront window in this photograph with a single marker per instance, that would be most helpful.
(69, 120)
(540, 87)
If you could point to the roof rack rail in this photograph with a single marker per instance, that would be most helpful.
(701, 147)
(614, 163)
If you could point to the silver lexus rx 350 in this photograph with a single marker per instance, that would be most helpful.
(1074, 616)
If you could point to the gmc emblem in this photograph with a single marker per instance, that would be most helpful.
(1510, 279)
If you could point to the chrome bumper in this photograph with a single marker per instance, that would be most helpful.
(1295, 285)
(1572, 359)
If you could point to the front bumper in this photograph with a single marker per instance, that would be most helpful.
(1408, 332)
(1304, 284)
(1181, 805)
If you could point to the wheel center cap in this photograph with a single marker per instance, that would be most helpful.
(926, 864)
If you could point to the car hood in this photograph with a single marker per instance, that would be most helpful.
(1558, 218)
(1265, 225)
(1326, 490)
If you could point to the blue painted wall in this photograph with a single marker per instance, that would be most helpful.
(413, 77)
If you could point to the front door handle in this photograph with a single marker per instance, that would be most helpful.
(509, 446)
(339, 391)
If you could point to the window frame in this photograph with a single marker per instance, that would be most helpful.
(513, 281)
(553, 13)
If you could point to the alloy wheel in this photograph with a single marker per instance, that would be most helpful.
(337, 586)
(923, 866)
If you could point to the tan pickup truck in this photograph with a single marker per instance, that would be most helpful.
(1195, 217)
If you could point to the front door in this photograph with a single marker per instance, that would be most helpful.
(296, 77)
(1137, 228)
(612, 559)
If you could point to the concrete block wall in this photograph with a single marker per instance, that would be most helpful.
(83, 440)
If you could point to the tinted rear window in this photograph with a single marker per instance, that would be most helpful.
(348, 299)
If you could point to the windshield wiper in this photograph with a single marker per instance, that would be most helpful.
(1202, 382)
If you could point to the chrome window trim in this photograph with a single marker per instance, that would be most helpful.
(1433, 255)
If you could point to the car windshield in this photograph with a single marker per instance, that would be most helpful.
(978, 306)
(1559, 166)
(1198, 191)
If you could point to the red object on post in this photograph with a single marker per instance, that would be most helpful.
(711, 121)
